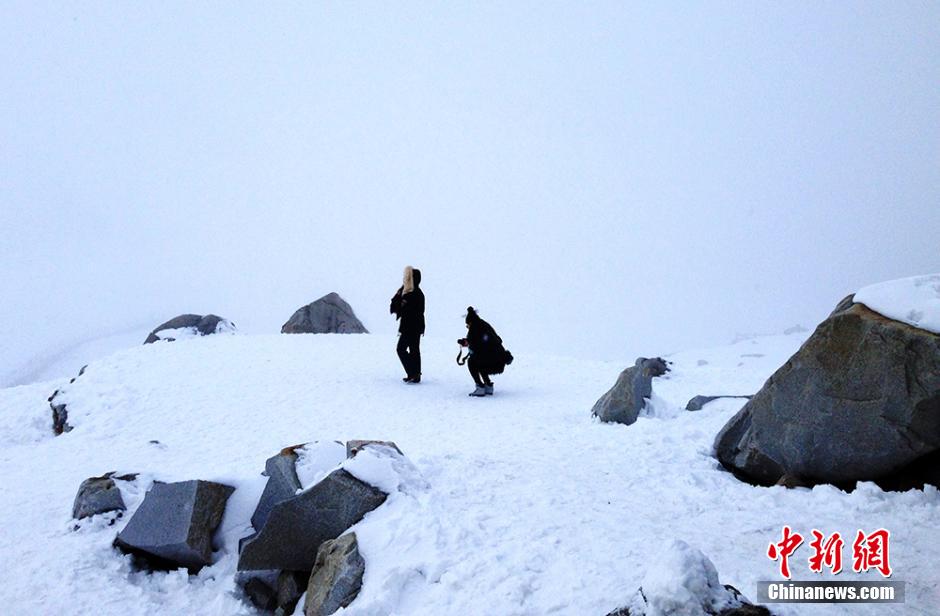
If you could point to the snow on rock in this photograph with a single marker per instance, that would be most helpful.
(915, 300)
(681, 582)
(189, 326)
(317, 460)
(529, 506)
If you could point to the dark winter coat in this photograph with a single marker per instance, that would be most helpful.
(486, 347)
(409, 308)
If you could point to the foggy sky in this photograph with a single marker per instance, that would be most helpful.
(605, 180)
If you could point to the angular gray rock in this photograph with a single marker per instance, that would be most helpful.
(295, 527)
(625, 400)
(355, 446)
(60, 412)
(860, 400)
(336, 578)
(174, 525)
(202, 325)
(99, 495)
(698, 402)
(328, 315)
(290, 588)
(282, 484)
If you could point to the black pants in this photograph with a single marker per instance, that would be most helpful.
(409, 352)
(480, 378)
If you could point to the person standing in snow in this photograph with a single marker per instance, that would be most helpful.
(486, 353)
(408, 307)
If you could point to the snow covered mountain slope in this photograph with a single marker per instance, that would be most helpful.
(527, 505)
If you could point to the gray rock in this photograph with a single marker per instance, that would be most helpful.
(328, 315)
(698, 402)
(290, 588)
(336, 578)
(99, 495)
(260, 594)
(60, 411)
(625, 400)
(282, 484)
(860, 400)
(355, 446)
(173, 527)
(296, 527)
(203, 325)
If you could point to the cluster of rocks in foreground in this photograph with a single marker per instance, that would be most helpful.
(300, 542)
(330, 314)
(859, 401)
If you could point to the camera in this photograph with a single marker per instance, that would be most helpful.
(463, 342)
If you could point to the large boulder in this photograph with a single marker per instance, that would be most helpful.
(188, 325)
(860, 400)
(684, 582)
(628, 396)
(336, 578)
(296, 527)
(328, 315)
(99, 495)
(174, 525)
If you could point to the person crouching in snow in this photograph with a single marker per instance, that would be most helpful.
(408, 307)
(486, 353)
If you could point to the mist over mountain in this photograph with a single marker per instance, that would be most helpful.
(602, 182)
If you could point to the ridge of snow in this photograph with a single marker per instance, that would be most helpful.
(914, 300)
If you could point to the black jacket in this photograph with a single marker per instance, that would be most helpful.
(409, 308)
(486, 347)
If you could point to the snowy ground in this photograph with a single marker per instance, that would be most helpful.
(527, 505)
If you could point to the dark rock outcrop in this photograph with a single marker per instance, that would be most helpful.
(328, 315)
(336, 578)
(628, 396)
(355, 446)
(60, 411)
(174, 525)
(199, 324)
(99, 495)
(282, 484)
(698, 402)
(296, 527)
(860, 400)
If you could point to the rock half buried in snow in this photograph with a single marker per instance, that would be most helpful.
(328, 315)
(60, 412)
(625, 400)
(355, 446)
(296, 527)
(173, 527)
(684, 581)
(698, 402)
(282, 484)
(99, 495)
(336, 578)
(860, 400)
(186, 325)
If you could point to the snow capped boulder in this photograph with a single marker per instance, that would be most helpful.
(188, 325)
(625, 400)
(328, 315)
(860, 400)
(295, 527)
(698, 402)
(173, 527)
(336, 578)
(684, 582)
(99, 495)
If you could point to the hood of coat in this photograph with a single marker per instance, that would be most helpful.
(411, 279)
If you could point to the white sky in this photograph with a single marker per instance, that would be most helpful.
(602, 180)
